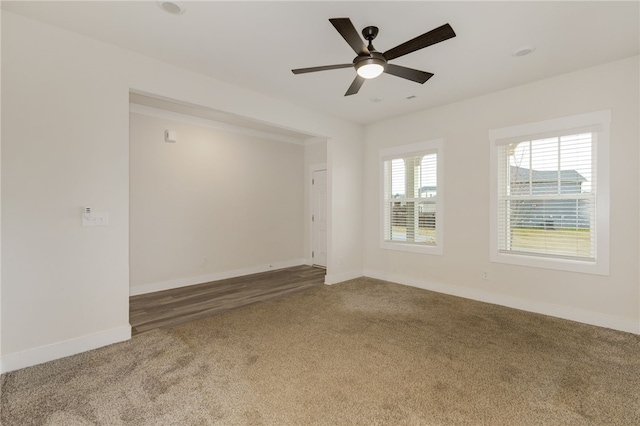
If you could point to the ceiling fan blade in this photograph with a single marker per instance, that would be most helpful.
(323, 68)
(349, 33)
(408, 73)
(355, 86)
(437, 35)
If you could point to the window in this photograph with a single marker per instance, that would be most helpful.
(549, 194)
(412, 197)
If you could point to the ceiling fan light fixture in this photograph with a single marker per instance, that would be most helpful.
(370, 67)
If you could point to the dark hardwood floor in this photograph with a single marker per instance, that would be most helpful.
(167, 308)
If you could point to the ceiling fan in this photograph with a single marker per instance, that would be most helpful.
(370, 63)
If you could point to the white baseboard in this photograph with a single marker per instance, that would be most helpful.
(18, 360)
(343, 276)
(573, 314)
(200, 279)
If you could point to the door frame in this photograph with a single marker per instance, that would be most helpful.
(314, 168)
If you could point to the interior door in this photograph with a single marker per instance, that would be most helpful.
(319, 218)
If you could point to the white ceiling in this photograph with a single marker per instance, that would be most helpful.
(256, 44)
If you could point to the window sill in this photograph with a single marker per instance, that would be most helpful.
(412, 248)
(600, 267)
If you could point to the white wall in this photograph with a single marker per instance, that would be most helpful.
(1, 369)
(213, 204)
(315, 152)
(65, 144)
(345, 181)
(610, 301)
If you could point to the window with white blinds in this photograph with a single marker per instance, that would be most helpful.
(411, 194)
(546, 201)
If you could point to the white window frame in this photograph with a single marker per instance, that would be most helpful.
(418, 148)
(601, 166)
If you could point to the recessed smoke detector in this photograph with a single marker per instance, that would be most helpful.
(172, 7)
(523, 50)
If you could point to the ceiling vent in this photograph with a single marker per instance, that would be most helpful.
(172, 7)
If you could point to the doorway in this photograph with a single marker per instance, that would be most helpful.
(319, 218)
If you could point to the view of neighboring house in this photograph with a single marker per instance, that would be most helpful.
(536, 211)
(428, 191)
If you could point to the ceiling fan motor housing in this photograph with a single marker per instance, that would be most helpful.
(371, 65)
(373, 58)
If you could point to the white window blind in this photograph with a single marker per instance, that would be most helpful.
(546, 199)
(410, 198)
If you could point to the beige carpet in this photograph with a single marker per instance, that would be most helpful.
(361, 352)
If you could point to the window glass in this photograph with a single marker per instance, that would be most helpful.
(548, 205)
(550, 194)
(411, 207)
